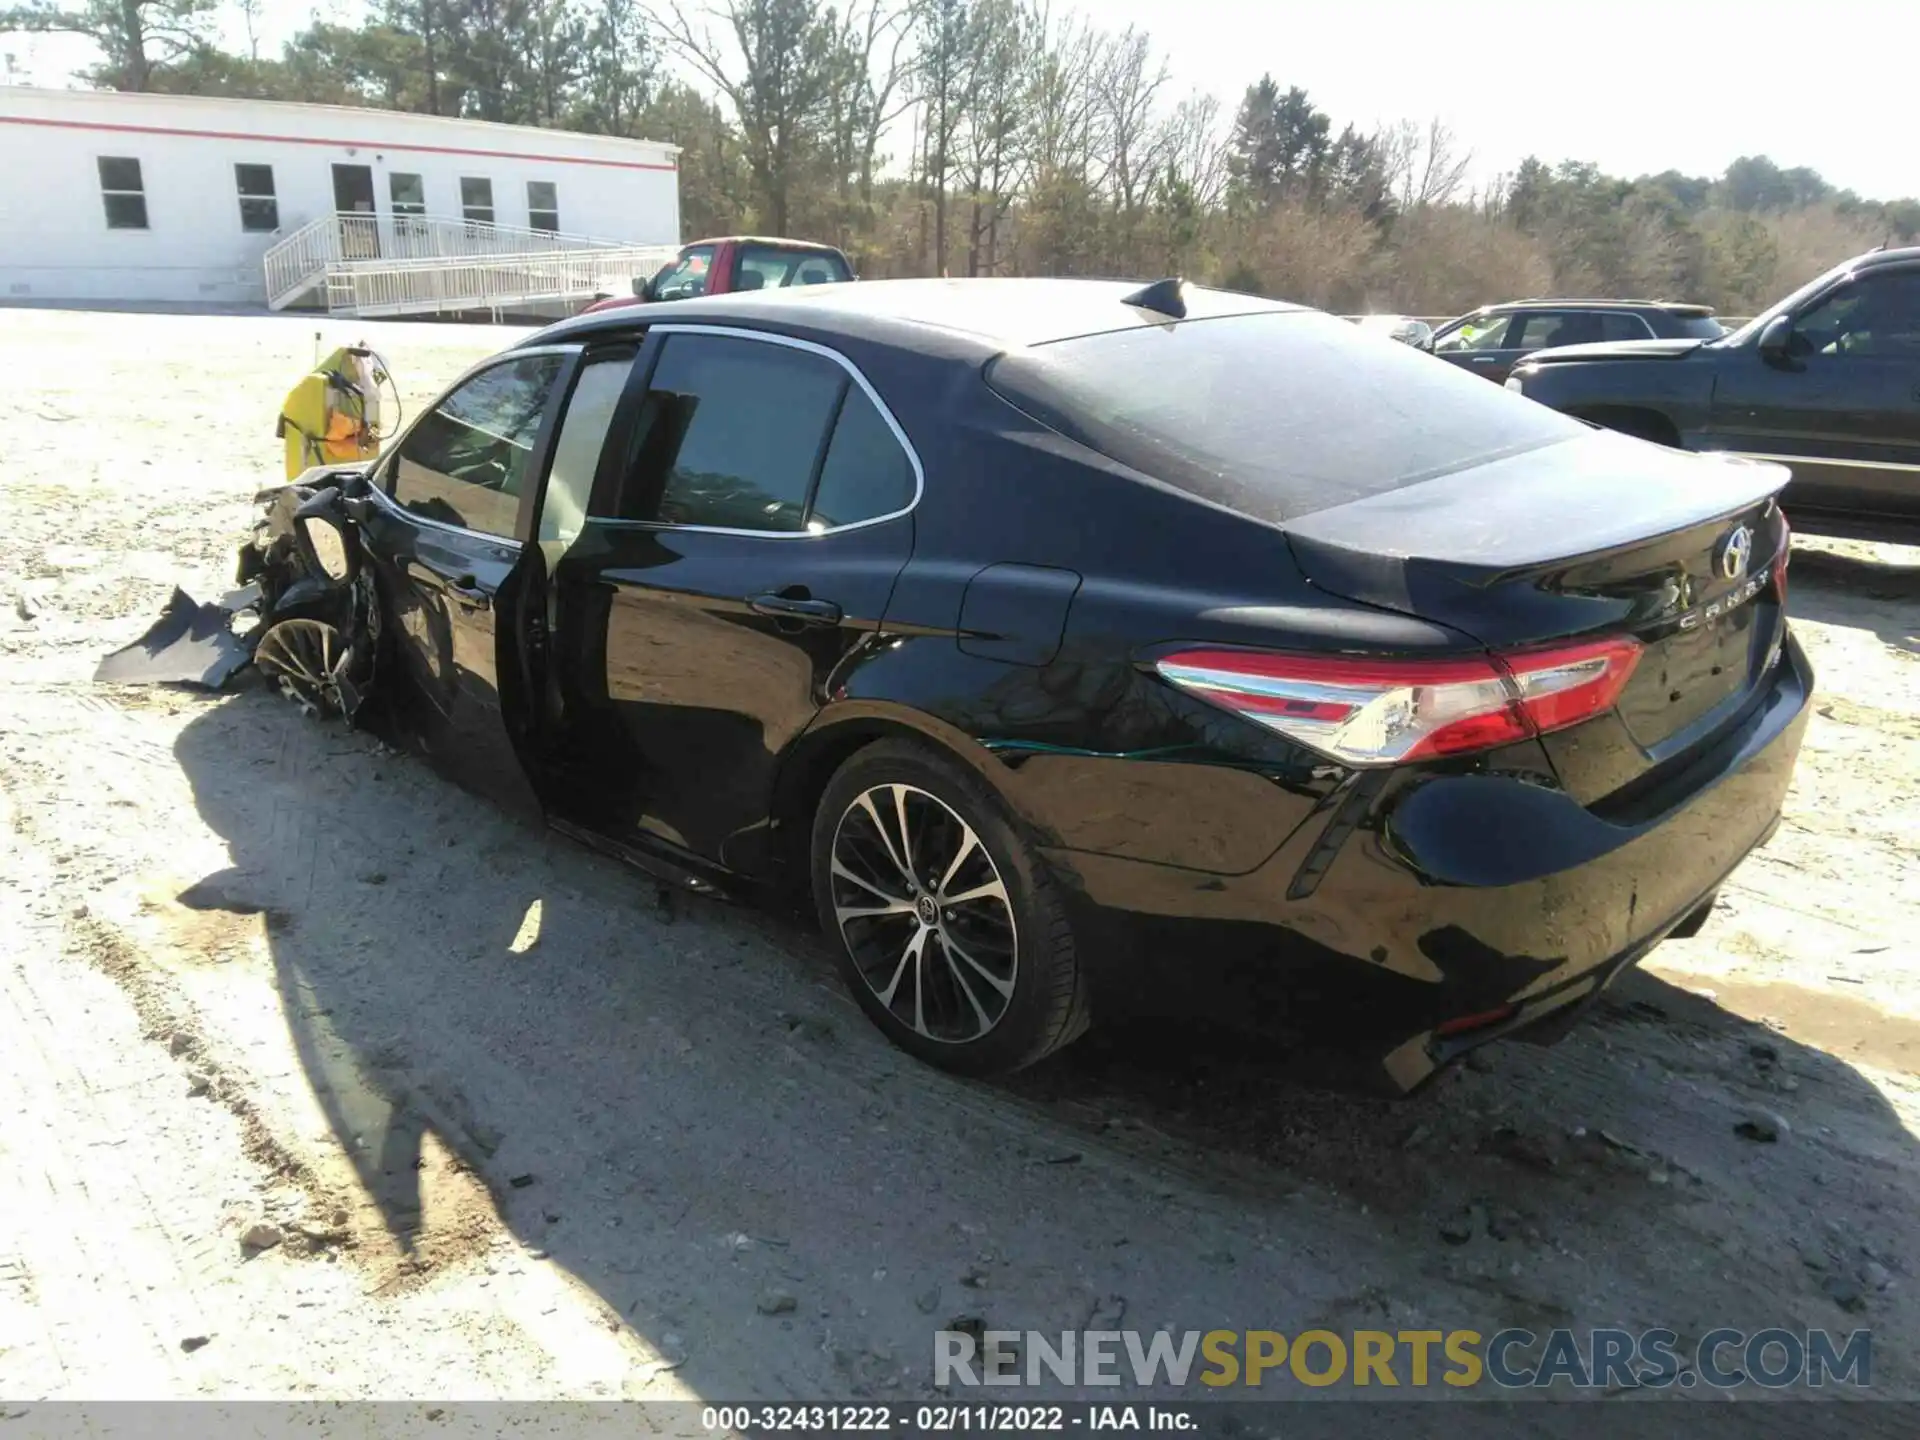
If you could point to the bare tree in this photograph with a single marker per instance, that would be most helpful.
(777, 87)
(995, 145)
(1130, 81)
(1423, 165)
(1193, 143)
(945, 75)
(136, 36)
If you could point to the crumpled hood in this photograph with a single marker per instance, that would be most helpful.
(1616, 350)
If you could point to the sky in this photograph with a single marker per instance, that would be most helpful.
(1635, 86)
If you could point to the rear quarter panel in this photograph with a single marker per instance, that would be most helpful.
(1094, 751)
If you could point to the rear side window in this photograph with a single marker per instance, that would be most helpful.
(1698, 327)
(866, 474)
(1623, 327)
(1272, 415)
(736, 429)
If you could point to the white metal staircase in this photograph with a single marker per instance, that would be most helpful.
(358, 264)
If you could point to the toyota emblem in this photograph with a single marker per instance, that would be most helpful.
(1735, 551)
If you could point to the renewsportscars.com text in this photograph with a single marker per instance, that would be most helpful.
(1512, 1359)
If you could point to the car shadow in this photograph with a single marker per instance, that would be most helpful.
(1834, 588)
(672, 1100)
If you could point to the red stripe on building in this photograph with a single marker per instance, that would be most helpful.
(341, 144)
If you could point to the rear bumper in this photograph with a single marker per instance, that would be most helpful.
(1433, 898)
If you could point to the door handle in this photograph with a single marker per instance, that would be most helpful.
(1485, 359)
(789, 607)
(461, 585)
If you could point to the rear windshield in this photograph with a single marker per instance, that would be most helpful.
(1698, 327)
(1274, 415)
(772, 267)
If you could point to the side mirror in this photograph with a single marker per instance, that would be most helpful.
(323, 538)
(1775, 339)
(642, 287)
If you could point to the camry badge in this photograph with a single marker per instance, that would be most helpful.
(1735, 551)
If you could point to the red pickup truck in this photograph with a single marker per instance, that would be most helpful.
(738, 262)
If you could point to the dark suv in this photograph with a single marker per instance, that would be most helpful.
(1826, 382)
(1494, 338)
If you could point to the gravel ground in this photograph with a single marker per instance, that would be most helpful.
(322, 1079)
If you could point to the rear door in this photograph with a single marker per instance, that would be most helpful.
(446, 532)
(1479, 345)
(751, 514)
(1543, 329)
(1842, 408)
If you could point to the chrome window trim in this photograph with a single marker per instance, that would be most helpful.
(394, 507)
(792, 342)
(385, 466)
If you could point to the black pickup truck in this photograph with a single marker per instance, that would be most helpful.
(1826, 382)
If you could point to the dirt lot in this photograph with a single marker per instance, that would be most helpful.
(525, 1131)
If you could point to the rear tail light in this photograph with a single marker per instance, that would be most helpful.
(1387, 712)
(1780, 559)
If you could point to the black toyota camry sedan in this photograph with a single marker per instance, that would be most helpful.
(1067, 644)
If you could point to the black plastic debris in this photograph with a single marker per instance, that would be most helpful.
(190, 644)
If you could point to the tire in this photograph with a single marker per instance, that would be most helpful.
(994, 982)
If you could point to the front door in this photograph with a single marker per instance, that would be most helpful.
(1479, 345)
(1842, 406)
(353, 197)
(448, 532)
(748, 522)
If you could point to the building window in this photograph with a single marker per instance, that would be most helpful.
(408, 196)
(259, 209)
(543, 205)
(476, 199)
(122, 193)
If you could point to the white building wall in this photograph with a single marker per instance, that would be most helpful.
(55, 243)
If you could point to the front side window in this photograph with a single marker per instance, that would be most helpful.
(543, 205)
(476, 199)
(1877, 315)
(686, 277)
(123, 193)
(466, 462)
(1482, 332)
(259, 208)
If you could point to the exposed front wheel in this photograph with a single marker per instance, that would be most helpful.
(948, 929)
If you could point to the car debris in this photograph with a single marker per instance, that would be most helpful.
(305, 611)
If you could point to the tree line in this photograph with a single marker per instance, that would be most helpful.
(996, 137)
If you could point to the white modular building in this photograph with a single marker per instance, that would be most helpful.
(113, 197)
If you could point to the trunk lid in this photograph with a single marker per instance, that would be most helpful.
(1598, 536)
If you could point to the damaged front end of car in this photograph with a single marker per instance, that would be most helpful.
(306, 612)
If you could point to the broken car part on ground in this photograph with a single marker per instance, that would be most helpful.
(305, 612)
